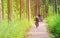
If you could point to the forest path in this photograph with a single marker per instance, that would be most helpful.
(40, 32)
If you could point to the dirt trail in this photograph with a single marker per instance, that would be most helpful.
(39, 32)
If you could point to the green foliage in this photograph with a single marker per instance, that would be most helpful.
(54, 24)
(58, 10)
(50, 11)
(5, 9)
(14, 29)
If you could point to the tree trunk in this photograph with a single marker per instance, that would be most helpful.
(43, 5)
(21, 8)
(2, 10)
(46, 8)
(9, 10)
(55, 6)
(1, 13)
(28, 9)
(37, 7)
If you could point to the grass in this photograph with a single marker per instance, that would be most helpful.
(14, 29)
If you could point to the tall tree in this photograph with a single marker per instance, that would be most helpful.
(2, 10)
(1, 13)
(28, 9)
(46, 8)
(10, 10)
(21, 8)
(36, 7)
(32, 4)
(43, 2)
(55, 6)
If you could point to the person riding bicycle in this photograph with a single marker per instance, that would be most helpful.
(40, 17)
(37, 21)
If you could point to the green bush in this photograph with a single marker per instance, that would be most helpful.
(54, 24)
(15, 29)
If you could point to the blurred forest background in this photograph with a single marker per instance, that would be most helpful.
(17, 16)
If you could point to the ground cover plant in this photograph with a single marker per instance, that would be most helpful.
(54, 25)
